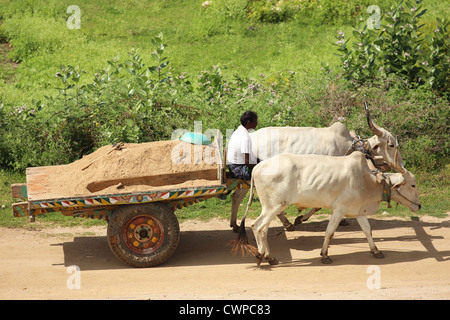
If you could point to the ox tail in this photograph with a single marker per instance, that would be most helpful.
(241, 242)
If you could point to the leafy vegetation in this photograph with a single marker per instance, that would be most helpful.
(399, 48)
(137, 72)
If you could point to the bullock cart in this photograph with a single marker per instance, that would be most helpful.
(134, 187)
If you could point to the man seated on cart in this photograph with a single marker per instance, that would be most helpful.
(240, 158)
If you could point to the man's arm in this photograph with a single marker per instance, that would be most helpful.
(247, 161)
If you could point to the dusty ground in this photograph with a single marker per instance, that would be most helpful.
(35, 264)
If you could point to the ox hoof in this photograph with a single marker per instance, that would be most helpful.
(326, 260)
(272, 261)
(235, 228)
(259, 258)
(378, 255)
(298, 220)
(289, 227)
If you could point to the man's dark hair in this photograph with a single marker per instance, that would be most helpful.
(248, 116)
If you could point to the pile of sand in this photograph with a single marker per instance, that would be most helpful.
(160, 165)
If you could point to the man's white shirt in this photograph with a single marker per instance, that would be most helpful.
(239, 144)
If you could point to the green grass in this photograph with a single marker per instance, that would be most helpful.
(6, 217)
(197, 40)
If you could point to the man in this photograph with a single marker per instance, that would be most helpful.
(240, 158)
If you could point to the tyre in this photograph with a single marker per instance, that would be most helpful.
(143, 235)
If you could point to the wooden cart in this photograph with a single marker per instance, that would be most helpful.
(143, 230)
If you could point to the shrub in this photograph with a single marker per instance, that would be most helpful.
(321, 11)
(273, 10)
(276, 11)
(231, 9)
(418, 118)
(335, 11)
(400, 48)
(127, 101)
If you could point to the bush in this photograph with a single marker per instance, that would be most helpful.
(124, 102)
(418, 118)
(321, 11)
(398, 48)
(276, 11)
(231, 9)
(127, 101)
(273, 11)
(338, 12)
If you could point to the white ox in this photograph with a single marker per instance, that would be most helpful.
(333, 141)
(346, 185)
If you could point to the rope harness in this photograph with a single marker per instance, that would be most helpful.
(386, 182)
(387, 185)
(415, 203)
(362, 145)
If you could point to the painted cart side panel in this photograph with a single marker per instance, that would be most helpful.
(102, 212)
(100, 206)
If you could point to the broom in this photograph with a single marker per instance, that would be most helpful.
(241, 242)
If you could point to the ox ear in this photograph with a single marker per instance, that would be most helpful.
(374, 144)
(381, 178)
(397, 181)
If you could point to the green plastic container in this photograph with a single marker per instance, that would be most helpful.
(195, 138)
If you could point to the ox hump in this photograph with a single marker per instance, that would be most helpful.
(339, 128)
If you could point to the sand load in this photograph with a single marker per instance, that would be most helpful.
(160, 165)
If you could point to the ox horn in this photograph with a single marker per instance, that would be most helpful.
(375, 129)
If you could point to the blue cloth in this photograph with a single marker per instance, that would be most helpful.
(195, 138)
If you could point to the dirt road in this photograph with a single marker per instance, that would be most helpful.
(36, 264)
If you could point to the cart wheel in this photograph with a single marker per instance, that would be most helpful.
(143, 235)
